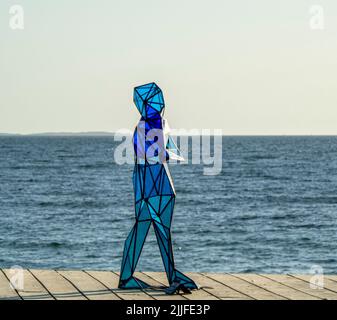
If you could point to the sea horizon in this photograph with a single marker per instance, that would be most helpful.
(117, 132)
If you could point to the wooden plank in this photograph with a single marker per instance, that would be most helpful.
(332, 278)
(301, 285)
(196, 294)
(275, 287)
(32, 289)
(6, 292)
(158, 276)
(218, 289)
(103, 285)
(57, 286)
(328, 284)
(158, 294)
(88, 286)
(245, 287)
(110, 280)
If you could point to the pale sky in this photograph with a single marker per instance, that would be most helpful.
(247, 67)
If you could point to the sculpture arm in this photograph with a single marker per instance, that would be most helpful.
(172, 151)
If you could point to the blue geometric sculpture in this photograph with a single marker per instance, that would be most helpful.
(153, 189)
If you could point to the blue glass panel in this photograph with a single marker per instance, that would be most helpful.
(155, 202)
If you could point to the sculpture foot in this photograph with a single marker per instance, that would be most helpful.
(185, 281)
(132, 283)
(176, 287)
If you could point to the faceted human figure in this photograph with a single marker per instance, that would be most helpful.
(153, 189)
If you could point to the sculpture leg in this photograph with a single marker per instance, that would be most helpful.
(166, 251)
(163, 233)
(132, 249)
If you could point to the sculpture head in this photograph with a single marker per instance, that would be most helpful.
(149, 100)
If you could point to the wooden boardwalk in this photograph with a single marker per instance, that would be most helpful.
(102, 285)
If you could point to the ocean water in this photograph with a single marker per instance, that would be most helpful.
(65, 204)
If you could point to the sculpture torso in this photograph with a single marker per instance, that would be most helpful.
(151, 160)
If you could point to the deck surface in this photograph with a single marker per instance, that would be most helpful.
(102, 285)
